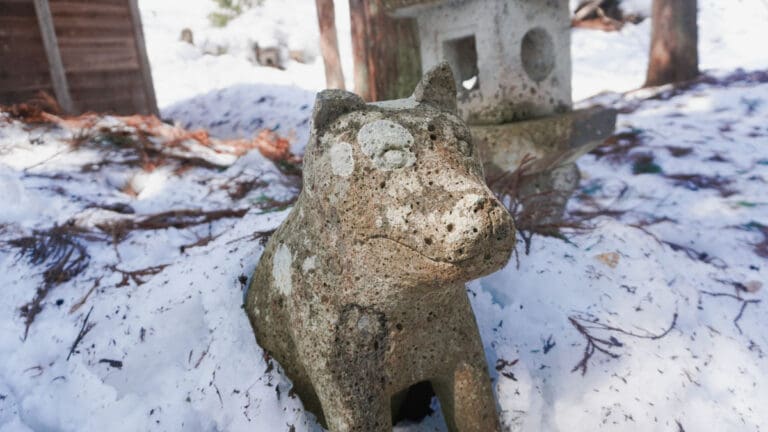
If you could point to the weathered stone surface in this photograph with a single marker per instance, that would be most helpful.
(554, 140)
(360, 293)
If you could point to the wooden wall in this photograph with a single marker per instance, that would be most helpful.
(23, 63)
(101, 47)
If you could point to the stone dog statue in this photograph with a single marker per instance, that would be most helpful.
(360, 292)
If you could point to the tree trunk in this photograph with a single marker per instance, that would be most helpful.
(385, 50)
(674, 55)
(329, 45)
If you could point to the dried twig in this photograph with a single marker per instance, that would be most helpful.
(532, 212)
(137, 275)
(744, 303)
(84, 329)
(82, 301)
(596, 344)
(239, 188)
(696, 255)
(64, 256)
(262, 236)
(201, 241)
(117, 364)
(178, 219)
(502, 364)
(689, 251)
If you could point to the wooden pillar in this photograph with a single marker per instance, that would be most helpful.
(141, 50)
(55, 65)
(329, 45)
(385, 50)
(674, 54)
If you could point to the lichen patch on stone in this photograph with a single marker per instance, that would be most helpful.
(309, 264)
(281, 270)
(387, 143)
(342, 159)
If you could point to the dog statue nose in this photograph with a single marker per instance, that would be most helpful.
(478, 225)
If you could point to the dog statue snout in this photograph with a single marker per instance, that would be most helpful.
(479, 227)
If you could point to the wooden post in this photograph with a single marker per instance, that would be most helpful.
(357, 17)
(329, 45)
(55, 65)
(674, 54)
(141, 50)
(385, 50)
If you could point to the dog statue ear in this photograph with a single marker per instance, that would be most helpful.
(437, 88)
(331, 104)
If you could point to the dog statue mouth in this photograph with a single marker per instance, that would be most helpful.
(435, 259)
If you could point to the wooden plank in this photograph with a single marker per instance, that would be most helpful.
(101, 63)
(20, 9)
(146, 71)
(12, 34)
(94, 55)
(109, 2)
(23, 65)
(30, 48)
(8, 97)
(16, 65)
(113, 23)
(100, 45)
(13, 24)
(93, 96)
(31, 81)
(110, 89)
(58, 76)
(104, 80)
(123, 103)
(86, 8)
(92, 32)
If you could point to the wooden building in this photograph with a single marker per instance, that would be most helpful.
(88, 54)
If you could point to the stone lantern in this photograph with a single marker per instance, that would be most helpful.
(511, 59)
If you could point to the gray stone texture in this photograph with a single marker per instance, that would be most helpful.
(360, 293)
(554, 140)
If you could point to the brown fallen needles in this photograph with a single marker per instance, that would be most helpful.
(154, 141)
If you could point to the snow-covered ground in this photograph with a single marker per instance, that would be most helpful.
(730, 36)
(651, 320)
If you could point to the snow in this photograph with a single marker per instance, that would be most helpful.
(661, 283)
(728, 39)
